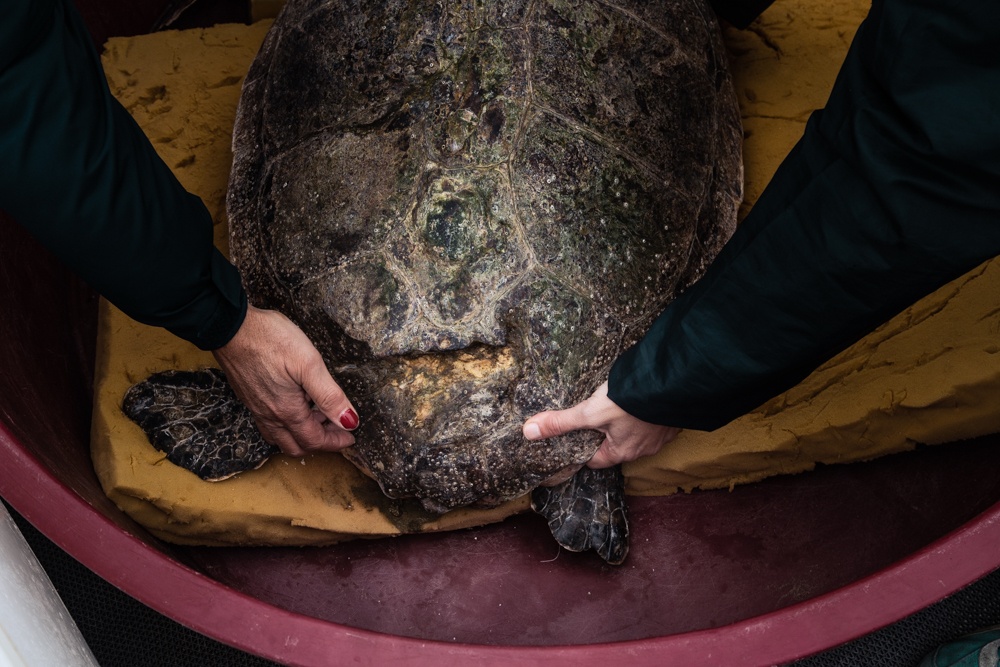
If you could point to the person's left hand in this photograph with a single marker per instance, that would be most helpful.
(625, 437)
(280, 376)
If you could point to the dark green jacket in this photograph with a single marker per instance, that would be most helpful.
(893, 190)
(78, 172)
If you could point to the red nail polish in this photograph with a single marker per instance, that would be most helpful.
(349, 419)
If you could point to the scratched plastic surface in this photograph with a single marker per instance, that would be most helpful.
(698, 561)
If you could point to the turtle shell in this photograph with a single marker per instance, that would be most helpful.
(473, 207)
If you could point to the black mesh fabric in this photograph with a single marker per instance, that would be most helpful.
(122, 632)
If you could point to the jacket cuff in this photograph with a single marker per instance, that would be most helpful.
(218, 313)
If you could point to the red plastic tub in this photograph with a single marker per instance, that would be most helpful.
(762, 575)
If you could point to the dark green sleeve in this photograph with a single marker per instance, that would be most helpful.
(893, 191)
(77, 171)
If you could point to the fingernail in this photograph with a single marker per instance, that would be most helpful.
(532, 432)
(349, 419)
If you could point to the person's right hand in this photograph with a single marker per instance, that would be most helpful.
(626, 438)
(279, 374)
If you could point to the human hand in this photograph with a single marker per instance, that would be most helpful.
(625, 437)
(278, 373)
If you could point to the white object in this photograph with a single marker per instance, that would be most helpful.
(36, 630)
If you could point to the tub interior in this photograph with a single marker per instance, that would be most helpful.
(700, 560)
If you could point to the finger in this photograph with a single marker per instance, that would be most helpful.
(328, 397)
(341, 438)
(554, 422)
(312, 434)
(283, 440)
(603, 457)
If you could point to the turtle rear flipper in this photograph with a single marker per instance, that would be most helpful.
(587, 511)
(195, 418)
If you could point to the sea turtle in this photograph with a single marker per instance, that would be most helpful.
(472, 207)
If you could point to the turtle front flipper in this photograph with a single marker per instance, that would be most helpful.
(195, 418)
(587, 511)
